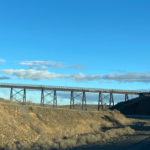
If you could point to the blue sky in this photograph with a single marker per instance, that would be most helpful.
(81, 43)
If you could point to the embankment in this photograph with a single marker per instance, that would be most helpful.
(28, 127)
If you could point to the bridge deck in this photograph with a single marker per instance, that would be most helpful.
(62, 88)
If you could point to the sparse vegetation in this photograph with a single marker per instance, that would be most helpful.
(30, 127)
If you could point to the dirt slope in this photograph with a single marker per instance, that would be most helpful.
(27, 127)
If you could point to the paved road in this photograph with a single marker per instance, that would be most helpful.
(139, 141)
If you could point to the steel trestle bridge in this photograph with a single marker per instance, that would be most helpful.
(53, 89)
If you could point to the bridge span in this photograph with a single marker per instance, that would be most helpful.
(48, 90)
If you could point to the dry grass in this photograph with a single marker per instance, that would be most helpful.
(26, 127)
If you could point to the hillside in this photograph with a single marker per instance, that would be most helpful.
(28, 127)
(137, 106)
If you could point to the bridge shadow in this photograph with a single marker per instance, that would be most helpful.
(122, 145)
(140, 126)
(100, 147)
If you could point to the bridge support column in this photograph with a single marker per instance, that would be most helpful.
(111, 99)
(126, 97)
(100, 101)
(11, 94)
(42, 97)
(24, 96)
(72, 100)
(55, 99)
(84, 101)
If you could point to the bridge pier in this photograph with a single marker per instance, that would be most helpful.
(11, 94)
(42, 97)
(126, 97)
(24, 96)
(72, 100)
(100, 101)
(111, 99)
(55, 99)
(84, 107)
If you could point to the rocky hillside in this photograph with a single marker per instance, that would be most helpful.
(30, 127)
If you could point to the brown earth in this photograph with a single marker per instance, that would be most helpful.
(30, 127)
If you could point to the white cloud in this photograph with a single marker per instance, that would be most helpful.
(45, 74)
(83, 77)
(42, 64)
(2, 61)
(45, 64)
(127, 77)
(34, 74)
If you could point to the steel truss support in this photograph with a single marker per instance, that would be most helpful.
(72, 100)
(126, 97)
(42, 97)
(55, 99)
(111, 102)
(14, 92)
(100, 101)
(24, 96)
(44, 94)
(84, 107)
(11, 94)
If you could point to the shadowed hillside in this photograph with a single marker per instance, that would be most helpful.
(137, 106)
